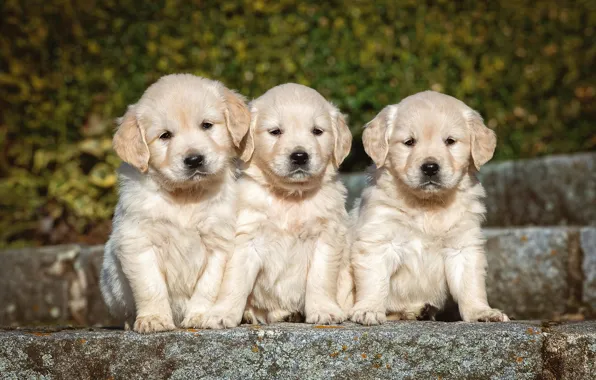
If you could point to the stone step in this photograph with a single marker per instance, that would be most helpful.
(538, 272)
(533, 273)
(553, 190)
(397, 350)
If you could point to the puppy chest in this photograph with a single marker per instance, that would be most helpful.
(420, 272)
(183, 254)
(282, 280)
(181, 260)
(298, 219)
(286, 293)
(419, 253)
(437, 225)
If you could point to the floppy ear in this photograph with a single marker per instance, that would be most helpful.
(375, 137)
(129, 141)
(483, 141)
(249, 142)
(237, 116)
(343, 138)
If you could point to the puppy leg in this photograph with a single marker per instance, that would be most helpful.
(372, 272)
(206, 290)
(345, 284)
(150, 292)
(239, 278)
(253, 316)
(466, 271)
(321, 286)
(115, 288)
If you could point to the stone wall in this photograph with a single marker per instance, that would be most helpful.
(396, 350)
(52, 285)
(556, 190)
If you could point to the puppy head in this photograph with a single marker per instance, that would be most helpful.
(429, 141)
(296, 135)
(183, 130)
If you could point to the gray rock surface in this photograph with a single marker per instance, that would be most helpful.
(527, 271)
(355, 183)
(56, 284)
(588, 250)
(555, 190)
(399, 350)
(570, 352)
(542, 191)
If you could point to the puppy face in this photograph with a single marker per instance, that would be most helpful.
(183, 130)
(296, 135)
(429, 141)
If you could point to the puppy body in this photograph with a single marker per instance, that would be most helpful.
(292, 222)
(417, 237)
(172, 245)
(285, 235)
(174, 223)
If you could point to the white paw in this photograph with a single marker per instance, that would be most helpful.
(194, 316)
(367, 317)
(192, 320)
(327, 316)
(153, 323)
(219, 320)
(486, 315)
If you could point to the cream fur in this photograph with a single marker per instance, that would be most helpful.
(291, 228)
(418, 243)
(173, 227)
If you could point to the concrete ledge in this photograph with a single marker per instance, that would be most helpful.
(414, 350)
(554, 190)
(528, 271)
(533, 273)
(570, 352)
(398, 350)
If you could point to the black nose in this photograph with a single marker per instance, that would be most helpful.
(430, 168)
(299, 158)
(194, 161)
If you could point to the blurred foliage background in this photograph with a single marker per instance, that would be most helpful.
(69, 67)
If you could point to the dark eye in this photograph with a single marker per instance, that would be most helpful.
(410, 142)
(450, 141)
(166, 135)
(317, 131)
(275, 131)
(206, 125)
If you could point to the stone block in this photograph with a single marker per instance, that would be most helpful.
(570, 352)
(588, 251)
(527, 271)
(51, 285)
(398, 350)
(553, 190)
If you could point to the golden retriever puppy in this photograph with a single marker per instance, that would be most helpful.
(417, 237)
(174, 224)
(291, 227)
